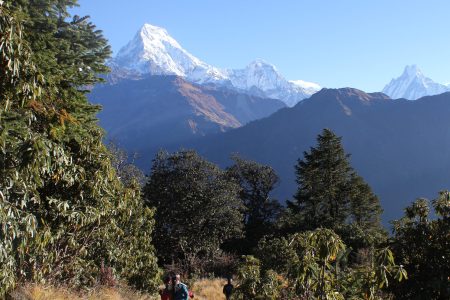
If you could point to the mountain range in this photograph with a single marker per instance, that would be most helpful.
(153, 51)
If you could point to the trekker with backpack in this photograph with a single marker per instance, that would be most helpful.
(180, 290)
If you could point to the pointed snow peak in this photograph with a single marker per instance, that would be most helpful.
(150, 29)
(153, 28)
(412, 71)
(153, 35)
(153, 51)
(413, 84)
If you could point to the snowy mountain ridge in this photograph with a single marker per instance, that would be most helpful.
(413, 84)
(153, 51)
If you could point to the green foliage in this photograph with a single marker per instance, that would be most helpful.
(63, 212)
(273, 285)
(276, 254)
(257, 284)
(197, 208)
(331, 194)
(249, 275)
(314, 265)
(313, 270)
(69, 51)
(260, 211)
(368, 278)
(422, 245)
(18, 85)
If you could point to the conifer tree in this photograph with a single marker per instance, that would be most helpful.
(330, 193)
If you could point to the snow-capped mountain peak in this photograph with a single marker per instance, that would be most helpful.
(413, 84)
(257, 74)
(412, 71)
(260, 63)
(263, 79)
(153, 51)
(154, 36)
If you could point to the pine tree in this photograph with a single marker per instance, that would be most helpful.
(364, 204)
(330, 193)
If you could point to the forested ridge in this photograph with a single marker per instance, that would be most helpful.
(75, 212)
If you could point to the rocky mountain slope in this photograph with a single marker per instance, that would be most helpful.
(159, 111)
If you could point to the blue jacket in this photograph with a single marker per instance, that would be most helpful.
(181, 292)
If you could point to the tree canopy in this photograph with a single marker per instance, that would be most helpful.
(197, 207)
(260, 210)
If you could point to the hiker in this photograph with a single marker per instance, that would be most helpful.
(228, 288)
(180, 290)
(166, 292)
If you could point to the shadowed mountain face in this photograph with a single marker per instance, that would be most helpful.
(401, 148)
(156, 112)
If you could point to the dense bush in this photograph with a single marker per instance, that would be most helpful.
(312, 265)
(421, 243)
(197, 209)
(63, 211)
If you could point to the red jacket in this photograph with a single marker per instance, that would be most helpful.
(165, 294)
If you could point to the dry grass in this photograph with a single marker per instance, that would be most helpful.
(209, 289)
(204, 289)
(39, 292)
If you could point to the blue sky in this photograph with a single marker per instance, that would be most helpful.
(336, 43)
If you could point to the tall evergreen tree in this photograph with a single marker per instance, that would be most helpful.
(260, 210)
(330, 193)
(63, 212)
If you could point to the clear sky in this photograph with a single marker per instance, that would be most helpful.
(336, 43)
